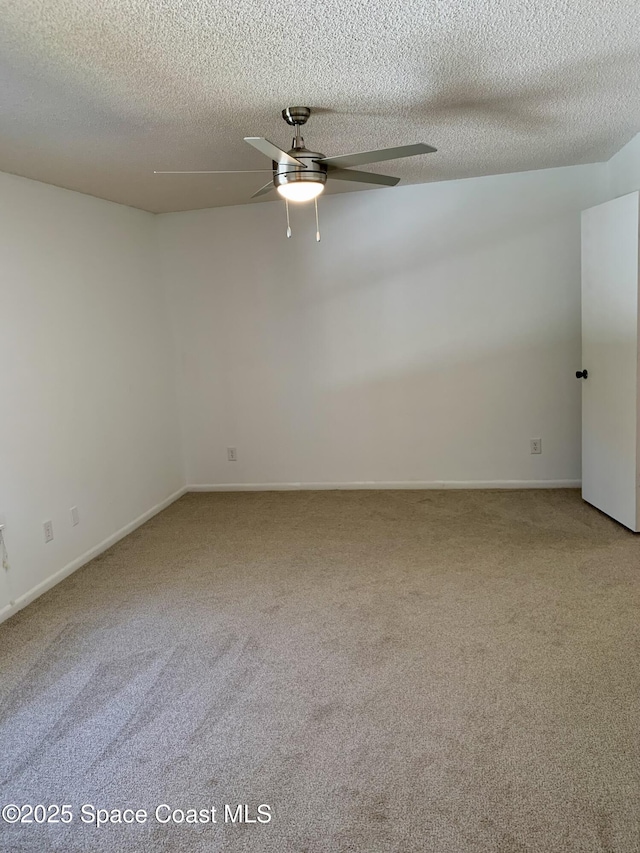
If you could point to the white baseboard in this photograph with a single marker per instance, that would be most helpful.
(400, 484)
(83, 559)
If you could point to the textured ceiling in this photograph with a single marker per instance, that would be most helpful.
(96, 94)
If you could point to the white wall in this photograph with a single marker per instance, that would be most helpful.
(432, 333)
(624, 169)
(428, 337)
(87, 392)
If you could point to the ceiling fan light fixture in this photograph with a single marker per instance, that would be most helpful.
(299, 174)
(301, 190)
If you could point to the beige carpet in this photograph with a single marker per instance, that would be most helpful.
(388, 671)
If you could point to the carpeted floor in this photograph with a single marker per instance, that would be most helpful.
(389, 671)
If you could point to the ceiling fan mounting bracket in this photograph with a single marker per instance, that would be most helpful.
(296, 116)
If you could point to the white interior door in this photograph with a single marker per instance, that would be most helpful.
(610, 355)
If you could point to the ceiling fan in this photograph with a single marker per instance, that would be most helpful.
(300, 174)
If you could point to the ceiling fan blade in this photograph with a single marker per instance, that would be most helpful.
(272, 151)
(214, 172)
(264, 190)
(364, 157)
(362, 177)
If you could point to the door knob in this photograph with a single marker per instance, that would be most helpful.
(582, 374)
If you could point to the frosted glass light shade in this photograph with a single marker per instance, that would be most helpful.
(301, 190)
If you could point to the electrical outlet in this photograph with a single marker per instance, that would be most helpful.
(48, 531)
(536, 445)
(75, 515)
(4, 560)
(232, 454)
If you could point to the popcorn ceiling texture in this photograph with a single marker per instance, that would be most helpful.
(95, 96)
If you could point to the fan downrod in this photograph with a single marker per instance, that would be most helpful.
(296, 116)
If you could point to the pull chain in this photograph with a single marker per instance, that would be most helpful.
(315, 201)
(286, 203)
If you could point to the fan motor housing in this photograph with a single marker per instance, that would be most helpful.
(283, 173)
